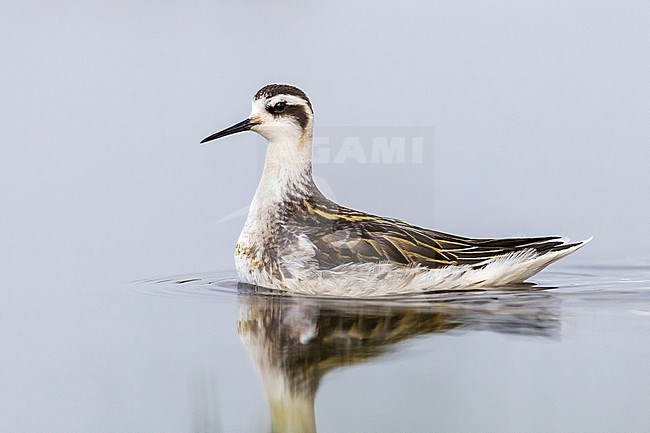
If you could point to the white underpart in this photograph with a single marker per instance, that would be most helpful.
(381, 279)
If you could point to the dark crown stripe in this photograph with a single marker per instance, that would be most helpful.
(272, 90)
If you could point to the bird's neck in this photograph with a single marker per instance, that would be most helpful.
(286, 181)
(287, 171)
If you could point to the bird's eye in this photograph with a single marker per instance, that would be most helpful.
(279, 107)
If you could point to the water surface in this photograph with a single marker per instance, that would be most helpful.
(294, 342)
(200, 353)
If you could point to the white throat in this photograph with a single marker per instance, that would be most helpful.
(287, 169)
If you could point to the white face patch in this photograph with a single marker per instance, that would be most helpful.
(272, 126)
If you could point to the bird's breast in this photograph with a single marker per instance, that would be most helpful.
(256, 254)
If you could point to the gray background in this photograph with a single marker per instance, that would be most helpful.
(539, 112)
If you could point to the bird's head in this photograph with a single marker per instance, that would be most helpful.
(280, 112)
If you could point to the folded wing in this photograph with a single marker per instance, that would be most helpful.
(341, 235)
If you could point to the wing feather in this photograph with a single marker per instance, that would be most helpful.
(341, 235)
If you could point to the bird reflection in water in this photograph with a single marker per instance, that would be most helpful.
(294, 341)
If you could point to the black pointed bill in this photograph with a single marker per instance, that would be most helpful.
(244, 125)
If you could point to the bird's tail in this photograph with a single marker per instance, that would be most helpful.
(518, 266)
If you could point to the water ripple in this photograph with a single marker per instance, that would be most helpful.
(218, 285)
(615, 283)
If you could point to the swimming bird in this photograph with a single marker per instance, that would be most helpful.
(297, 240)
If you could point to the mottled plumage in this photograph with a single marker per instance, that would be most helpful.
(343, 235)
(297, 240)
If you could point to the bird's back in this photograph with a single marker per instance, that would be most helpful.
(343, 236)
